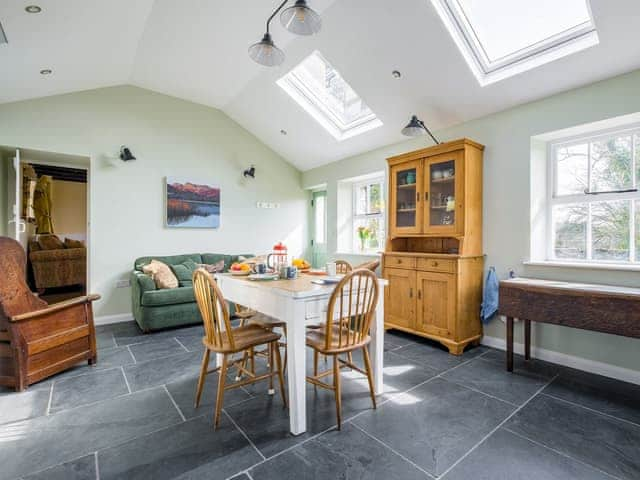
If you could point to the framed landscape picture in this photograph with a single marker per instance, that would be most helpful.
(192, 204)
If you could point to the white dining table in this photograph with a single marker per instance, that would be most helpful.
(300, 302)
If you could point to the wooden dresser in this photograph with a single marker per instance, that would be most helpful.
(433, 257)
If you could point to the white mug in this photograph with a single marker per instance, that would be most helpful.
(331, 269)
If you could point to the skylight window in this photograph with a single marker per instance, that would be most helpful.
(320, 89)
(499, 38)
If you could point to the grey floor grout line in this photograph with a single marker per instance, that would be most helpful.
(181, 344)
(608, 415)
(48, 411)
(135, 360)
(542, 445)
(480, 391)
(393, 450)
(126, 381)
(244, 434)
(184, 419)
(537, 392)
(95, 456)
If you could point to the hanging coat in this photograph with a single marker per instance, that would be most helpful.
(42, 205)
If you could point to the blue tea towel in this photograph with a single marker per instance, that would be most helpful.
(490, 296)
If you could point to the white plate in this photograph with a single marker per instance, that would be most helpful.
(263, 276)
(328, 280)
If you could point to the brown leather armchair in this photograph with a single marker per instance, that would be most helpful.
(38, 340)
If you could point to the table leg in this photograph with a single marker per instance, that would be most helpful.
(296, 368)
(510, 344)
(527, 339)
(376, 347)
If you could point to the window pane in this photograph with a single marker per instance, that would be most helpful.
(610, 230)
(637, 230)
(375, 198)
(570, 227)
(637, 140)
(572, 169)
(368, 234)
(611, 164)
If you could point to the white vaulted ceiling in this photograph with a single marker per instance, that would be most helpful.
(197, 50)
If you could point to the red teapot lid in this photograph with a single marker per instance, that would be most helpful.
(279, 246)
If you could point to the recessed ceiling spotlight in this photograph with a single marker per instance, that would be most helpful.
(396, 74)
(32, 9)
(46, 71)
(283, 132)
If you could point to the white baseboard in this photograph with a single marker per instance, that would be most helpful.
(107, 319)
(579, 363)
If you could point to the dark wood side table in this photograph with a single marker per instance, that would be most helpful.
(599, 308)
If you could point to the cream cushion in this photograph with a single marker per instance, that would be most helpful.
(161, 274)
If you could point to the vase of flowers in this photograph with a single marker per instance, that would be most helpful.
(363, 235)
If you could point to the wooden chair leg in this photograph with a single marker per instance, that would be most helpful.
(350, 357)
(203, 374)
(338, 392)
(245, 359)
(220, 396)
(284, 366)
(252, 360)
(367, 364)
(272, 346)
(280, 375)
(315, 363)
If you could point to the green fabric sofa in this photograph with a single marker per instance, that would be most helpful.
(155, 309)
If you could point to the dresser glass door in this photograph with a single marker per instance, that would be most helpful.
(406, 198)
(442, 193)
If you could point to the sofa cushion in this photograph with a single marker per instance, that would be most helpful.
(50, 242)
(213, 258)
(173, 296)
(217, 267)
(71, 243)
(169, 260)
(184, 272)
(161, 274)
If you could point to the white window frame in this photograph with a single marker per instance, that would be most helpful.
(314, 106)
(553, 199)
(355, 216)
(486, 71)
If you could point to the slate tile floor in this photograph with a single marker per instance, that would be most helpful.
(444, 417)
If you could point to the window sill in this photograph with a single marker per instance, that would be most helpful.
(587, 266)
(360, 254)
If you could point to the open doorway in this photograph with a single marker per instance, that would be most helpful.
(46, 210)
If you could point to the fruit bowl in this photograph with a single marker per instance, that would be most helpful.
(240, 273)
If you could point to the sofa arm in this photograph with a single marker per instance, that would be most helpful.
(141, 282)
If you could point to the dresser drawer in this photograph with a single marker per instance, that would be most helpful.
(437, 265)
(399, 262)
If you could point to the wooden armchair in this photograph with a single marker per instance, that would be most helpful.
(38, 340)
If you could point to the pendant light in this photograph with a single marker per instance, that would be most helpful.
(416, 128)
(265, 52)
(300, 19)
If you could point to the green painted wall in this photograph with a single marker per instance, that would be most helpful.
(170, 137)
(507, 137)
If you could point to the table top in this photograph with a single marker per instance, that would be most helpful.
(301, 287)
(583, 288)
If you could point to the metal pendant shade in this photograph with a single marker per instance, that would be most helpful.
(417, 128)
(266, 53)
(300, 19)
(413, 128)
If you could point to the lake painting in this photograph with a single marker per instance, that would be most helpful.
(192, 204)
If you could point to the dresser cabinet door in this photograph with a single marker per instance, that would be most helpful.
(400, 297)
(436, 303)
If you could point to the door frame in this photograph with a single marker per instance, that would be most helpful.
(90, 161)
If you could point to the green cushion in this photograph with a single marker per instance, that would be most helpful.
(184, 272)
(145, 281)
(168, 296)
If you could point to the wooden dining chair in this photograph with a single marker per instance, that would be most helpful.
(351, 309)
(343, 267)
(248, 316)
(372, 265)
(221, 338)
